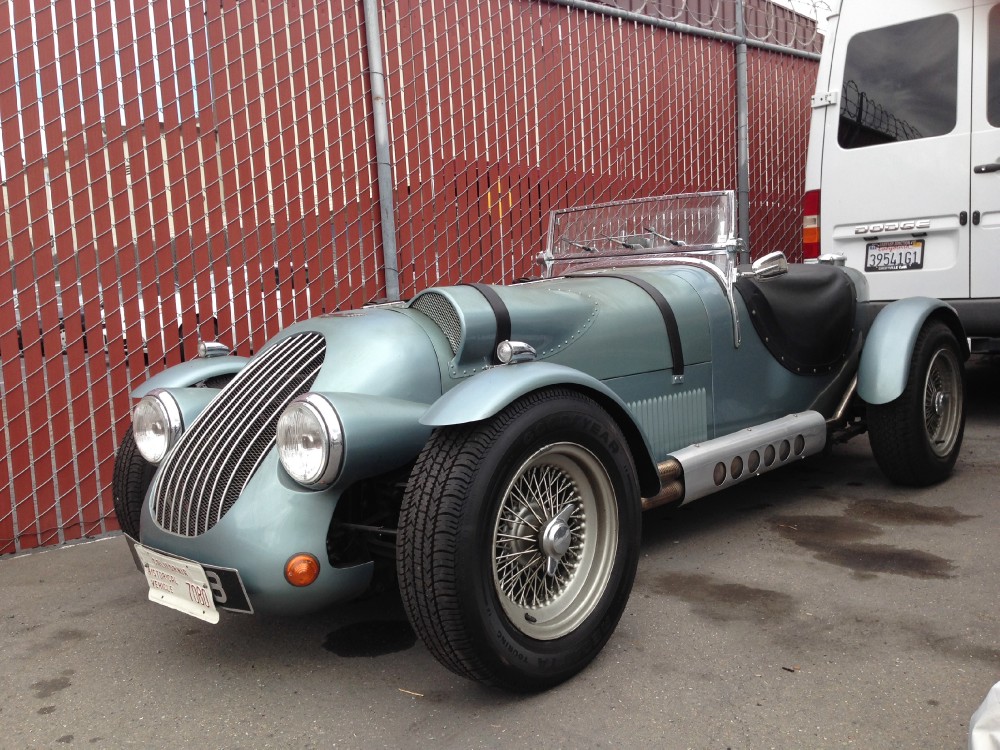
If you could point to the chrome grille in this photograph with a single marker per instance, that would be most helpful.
(440, 310)
(205, 474)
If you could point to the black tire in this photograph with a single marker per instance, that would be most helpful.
(131, 479)
(916, 438)
(496, 574)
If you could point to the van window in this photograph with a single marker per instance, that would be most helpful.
(900, 83)
(993, 75)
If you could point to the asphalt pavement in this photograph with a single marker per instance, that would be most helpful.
(815, 607)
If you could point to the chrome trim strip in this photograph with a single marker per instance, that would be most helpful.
(725, 281)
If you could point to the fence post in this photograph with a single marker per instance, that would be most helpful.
(742, 135)
(383, 152)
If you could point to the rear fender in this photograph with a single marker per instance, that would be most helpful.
(192, 372)
(885, 360)
(486, 394)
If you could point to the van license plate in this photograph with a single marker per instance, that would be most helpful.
(901, 255)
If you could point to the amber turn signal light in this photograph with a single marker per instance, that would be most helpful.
(301, 569)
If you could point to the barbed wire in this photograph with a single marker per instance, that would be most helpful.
(871, 115)
(787, 23)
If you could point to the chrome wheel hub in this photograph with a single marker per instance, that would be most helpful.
(555, 539)
(942, 403)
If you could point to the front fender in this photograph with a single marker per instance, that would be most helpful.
(380, 433)
(191, 372)
(885, 360)
(486, 394)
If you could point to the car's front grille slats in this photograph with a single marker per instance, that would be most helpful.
(208, 443)
(223, 441)
(205, 474)
(259, 442)
(214, 442)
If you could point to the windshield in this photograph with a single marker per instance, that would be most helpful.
(641, 231)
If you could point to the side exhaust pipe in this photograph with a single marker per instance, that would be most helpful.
(704, 468)
(671, 485)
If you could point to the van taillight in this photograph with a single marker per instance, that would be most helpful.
(810, 224)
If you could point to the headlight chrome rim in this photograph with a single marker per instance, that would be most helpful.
(320, 409)
(169, 413)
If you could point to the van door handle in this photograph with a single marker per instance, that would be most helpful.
(986, 168)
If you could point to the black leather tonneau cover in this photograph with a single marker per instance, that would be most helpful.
(805, 318)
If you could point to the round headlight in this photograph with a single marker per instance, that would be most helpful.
(311, 441)
(156, 425)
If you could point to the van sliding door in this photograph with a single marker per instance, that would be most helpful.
(985, 233)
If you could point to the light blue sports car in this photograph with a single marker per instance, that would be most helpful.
(494, 446)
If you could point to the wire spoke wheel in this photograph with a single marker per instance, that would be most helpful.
(554, 540)
(519, 540)
(942, 402)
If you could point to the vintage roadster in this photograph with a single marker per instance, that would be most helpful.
(495, 446)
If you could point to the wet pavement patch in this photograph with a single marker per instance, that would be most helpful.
(724, 602)
(897, 513)
(884, 558)
(375, 638)
(974, 645)
(841, 541)
(828, 529)
(60, 639)
(47, 688)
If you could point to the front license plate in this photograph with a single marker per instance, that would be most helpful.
(902, 255)
(178, 584)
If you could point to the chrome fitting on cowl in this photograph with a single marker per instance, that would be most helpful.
(512, 352)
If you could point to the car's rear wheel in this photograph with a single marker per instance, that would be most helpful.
(916, 438)
(519, 539)
(131, 479)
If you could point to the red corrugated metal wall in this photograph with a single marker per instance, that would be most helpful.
(178, 168)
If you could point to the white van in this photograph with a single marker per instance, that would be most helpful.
(903, 170)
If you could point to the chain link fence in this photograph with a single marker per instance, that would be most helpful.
(179, 169)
